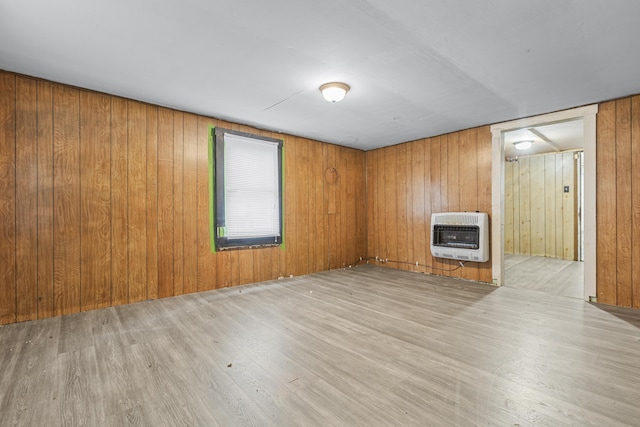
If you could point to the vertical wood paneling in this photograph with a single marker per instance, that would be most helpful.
(509, 168)
(419, 225)
(50, 138)
(381, 253)
(401, 205)
(27, 202)
(178, 203)
(359, 189)
(152, 202)
(550, 191)
(427, 205)
(165, 203)
(207, 274)
(190, 203)
(95, 173)
(635, 196)
(45, 199)
(137, 201)
(484, 188)
(119, 211)
(391, 212)
(453, 172)
(302, 205)
(623, 201)
(538, 208)
(433, 178)
(606, 231)
(559, 196)
(317, 178)
(436, 190)
(66, 176)
(468, 173)
(290, 204)
(569, 201)
(525, 205)
(340, 207)
(544, 215)
(115, 204)
(408, 177)
(7, 198)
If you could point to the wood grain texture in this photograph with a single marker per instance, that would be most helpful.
(484, 142)
(540, 214)
(544, 274)
(27, 201)
(7, 198)
(165, 203)
(623, 202)
(559, 220)
(137, 201)
(190, 203)
(152, 201)
(435, 177)
(64, 202)
(401, 194)
(391, 211)
(419, 225)
(44, 111)
(538, 229)
(524, 188)
(635, 195)
(178, 203)
(95, 174)
(116, 204)
(509, 205)
(66, 181)
(606, 231)
(207, 278)
(569, 207)
(415, 176)
(551, 188)
(119, 209)
(302, 205)
(369, 346)
(468, 171)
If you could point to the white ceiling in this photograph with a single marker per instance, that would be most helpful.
(417, 68)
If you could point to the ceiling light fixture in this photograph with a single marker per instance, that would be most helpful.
(522, 145)
(334, 91)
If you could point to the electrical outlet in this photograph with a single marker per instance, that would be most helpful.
(566, 188)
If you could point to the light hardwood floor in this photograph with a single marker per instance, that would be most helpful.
(553, 276)
(366, 346)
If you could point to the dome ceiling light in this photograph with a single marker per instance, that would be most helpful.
(522, 145)
(334, 91)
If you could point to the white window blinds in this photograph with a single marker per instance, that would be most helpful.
(252, 196)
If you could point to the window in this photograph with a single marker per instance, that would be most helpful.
(248, 190)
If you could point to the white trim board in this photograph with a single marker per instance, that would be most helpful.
(588, 114)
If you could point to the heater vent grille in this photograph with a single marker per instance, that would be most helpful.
(460, 235)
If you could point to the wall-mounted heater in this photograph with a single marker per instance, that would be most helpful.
(460, 235)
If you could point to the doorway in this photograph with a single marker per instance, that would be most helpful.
(542, 216)
(583, 117)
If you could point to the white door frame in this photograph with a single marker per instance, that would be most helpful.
(588, 114)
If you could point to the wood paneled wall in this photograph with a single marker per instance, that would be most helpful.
(540, 219)
(618, 202)
(104, 201)
(407, 182)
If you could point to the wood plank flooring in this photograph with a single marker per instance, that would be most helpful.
(553, 276)
(366, 346)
